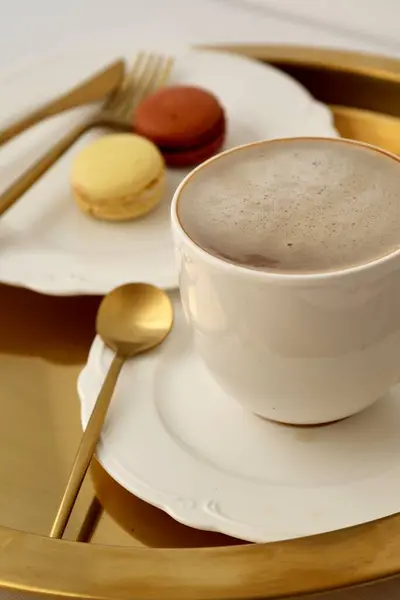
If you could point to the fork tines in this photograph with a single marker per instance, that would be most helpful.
(148, 73)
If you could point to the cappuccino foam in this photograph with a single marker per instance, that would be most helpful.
(295, 206)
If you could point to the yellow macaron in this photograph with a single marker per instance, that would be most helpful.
(118, 177)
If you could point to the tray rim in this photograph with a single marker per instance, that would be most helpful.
(358, 555)
(374, 65)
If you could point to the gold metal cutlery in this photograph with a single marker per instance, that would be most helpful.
(131, 319)
(93, 89)
(148, 73)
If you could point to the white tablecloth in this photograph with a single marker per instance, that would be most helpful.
(31, 29)
(34, 28)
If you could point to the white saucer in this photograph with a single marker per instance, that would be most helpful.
(174, 439)
(48, 245)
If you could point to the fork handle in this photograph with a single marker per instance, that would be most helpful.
(28, 121)
(32, 174)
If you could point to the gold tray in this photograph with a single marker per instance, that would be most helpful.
(133, 550)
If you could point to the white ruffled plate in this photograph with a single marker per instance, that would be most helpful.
(174, 439)
(48, 245)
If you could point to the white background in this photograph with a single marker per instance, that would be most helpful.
(32, 29)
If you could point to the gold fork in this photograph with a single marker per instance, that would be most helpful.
(147, 74)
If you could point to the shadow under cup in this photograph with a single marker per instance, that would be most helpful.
(296, 348)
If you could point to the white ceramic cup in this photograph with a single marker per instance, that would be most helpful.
(295, 348)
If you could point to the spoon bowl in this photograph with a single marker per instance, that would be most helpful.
(134, 318)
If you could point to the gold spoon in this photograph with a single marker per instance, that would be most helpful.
(131, 319)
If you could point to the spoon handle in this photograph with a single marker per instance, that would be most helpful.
(86, 448)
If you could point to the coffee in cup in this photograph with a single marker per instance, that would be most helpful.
(301, 206)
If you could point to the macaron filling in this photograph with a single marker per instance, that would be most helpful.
(196, 154)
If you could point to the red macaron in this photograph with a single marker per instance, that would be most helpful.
(187, 123)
